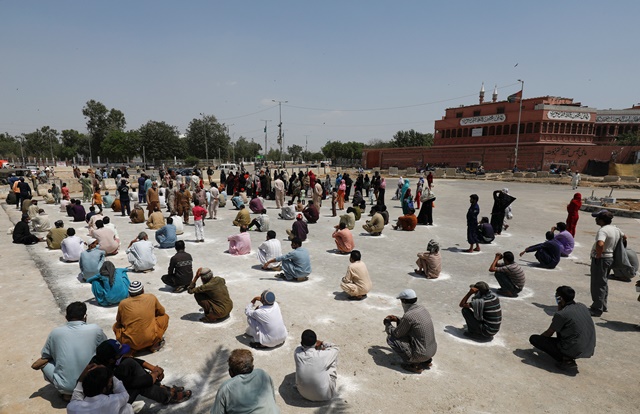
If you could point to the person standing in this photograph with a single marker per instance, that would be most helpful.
(607, 238)
(199, 214)
(413, 337)
(574, 329)
(278, 184)
(472, 224)
(125, 201)
(425, 216)
(213, 201)
(575, 181)
(501, 200)
(573, 213)
(153, 198)
(316, 367)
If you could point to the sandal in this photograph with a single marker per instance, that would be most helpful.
(412, 368)
(180, 396)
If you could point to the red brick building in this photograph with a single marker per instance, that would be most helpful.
(551, 130)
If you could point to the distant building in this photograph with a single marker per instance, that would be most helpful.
(552, 130)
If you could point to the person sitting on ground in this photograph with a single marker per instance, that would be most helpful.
(509, 274)
(166, 235)
(288, 212)
(300, 206)
(110, 286)
(91, 222)
(212, 296)
(56, 235)
(565, 238)
(140, 253)
(33, 210)
(296, 265)
(316, 367)
(237, 201)
(69, 349)
(108, 224)
(547, 253)
(256, 205)
(261, 222)
(268, 250)
(343, 238)
(483, 313)
(137, 214)
(249, 390)
(240, 243)
(243, 217)
(63, 206)
(106, 238)
(138, 376)
(625, 274)
(180, 273)
(357, 212)
(299, 229)
(178, 221)
(348, 218)
(141, 320)
(41, 223)
(574, 328)
(48, 197)
(156, 219)
(107, 200)
(375, 226)
(485, 231)
(98, 391)
(78, 212)
(356, 283)
(413, 337)
(91, 213)
(265, 324)
(408, 222)
(22, 234)
(430, 262)
(91, 260)
(311, 213)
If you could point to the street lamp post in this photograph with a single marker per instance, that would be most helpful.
(206, 144)
(265, 138)
(515, 158)
(280, 138)
(228, 127)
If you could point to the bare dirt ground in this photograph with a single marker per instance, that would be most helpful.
(503, 376)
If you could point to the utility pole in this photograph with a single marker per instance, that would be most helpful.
(229, 126)
(206, 144)
(515, 159)
(265, 138)
(280, 137)
(306, 143)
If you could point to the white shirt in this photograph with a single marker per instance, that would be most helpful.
(610, 235)
(141, 255)
(179, 223)
(288, 212)
(268, 250)
(113, 228)
(266, 324)
(316, 371)
(72, 247)
(263, 219)
(101, 403)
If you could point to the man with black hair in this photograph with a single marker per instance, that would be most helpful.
(166, 235)
(22, 234)
(413, 337)
(316, 367)
(483, 313)
(90, 260)
(250, 390)
(98, 391)
(509, 274)
(311, 213)
(564, 238)
(56, 235)
(261, 222)
(607, 238)
(574, 328)
(268, 250)
(296, 265)
(180, 273)
(547, 253)
(78, 212)
(106, 238)
(69, 349)
(356, 283)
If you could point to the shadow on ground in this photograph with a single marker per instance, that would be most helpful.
(49, 393)
(548, 309)
(619, 326)
(540, 360)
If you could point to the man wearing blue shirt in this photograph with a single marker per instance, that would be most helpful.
(296, 264)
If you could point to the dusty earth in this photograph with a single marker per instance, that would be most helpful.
(503, 376)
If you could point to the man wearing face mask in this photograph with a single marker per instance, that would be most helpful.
(413, 337)
(574, 328)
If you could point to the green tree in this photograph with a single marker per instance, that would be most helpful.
(246, 149)
(161, 141)
(628, 138)
(41, 142)
(349, 150)
(9, 146)
(120, 145)
(411, 138)
(312, 156)
(378, 143)
(216, 135)
(101, 121)
(74, 144)
(295, 151)
(273, 155)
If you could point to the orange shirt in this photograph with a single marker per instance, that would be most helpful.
(97, 198)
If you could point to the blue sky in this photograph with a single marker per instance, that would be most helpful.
(351, 70)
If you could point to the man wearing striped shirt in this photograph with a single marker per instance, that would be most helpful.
(509, 274)
(483, 313)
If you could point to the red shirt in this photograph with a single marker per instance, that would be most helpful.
(198, 213)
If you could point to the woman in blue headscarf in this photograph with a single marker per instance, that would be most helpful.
(403, 190)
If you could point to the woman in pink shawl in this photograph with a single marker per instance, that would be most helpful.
(573, 208)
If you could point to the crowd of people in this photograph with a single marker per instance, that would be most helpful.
(142, 321)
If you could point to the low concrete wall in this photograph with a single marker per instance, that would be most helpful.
(542, 174)
(611, 179)
(393, 170)
(518, 175)
(629, 178)
(451, 172)
(530, 175)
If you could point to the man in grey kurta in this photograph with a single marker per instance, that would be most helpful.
(413, 337)
(316, 367)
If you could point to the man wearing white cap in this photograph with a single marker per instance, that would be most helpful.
(413, 337)
(266, 325)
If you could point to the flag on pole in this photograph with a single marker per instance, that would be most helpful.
(265, 129)
(516, 97)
